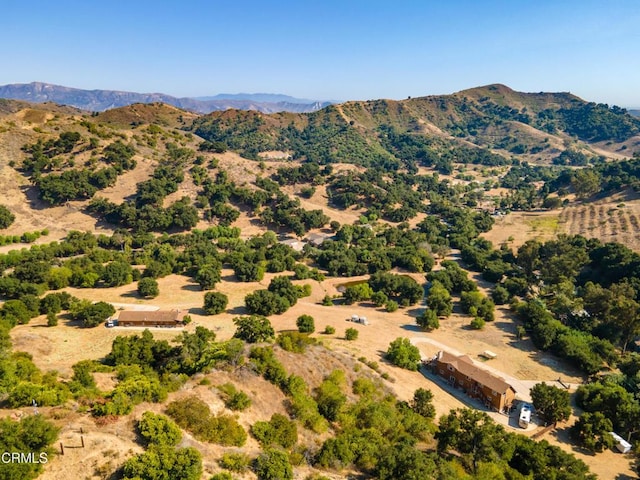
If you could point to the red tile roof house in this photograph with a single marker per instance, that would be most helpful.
(461, 372)
(158, 318)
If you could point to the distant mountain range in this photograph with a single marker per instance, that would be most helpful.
(100, 100)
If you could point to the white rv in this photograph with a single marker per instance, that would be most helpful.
(525, 415)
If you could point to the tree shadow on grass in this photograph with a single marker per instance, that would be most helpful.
(130, 294)
(563, 435)
(191, 287)
(412, 328)
(33, 195)
(239, 310)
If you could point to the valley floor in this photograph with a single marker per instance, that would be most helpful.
(517, 360)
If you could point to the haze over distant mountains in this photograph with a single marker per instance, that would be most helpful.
(100, 100)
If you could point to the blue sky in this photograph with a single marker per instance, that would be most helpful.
(326, 49)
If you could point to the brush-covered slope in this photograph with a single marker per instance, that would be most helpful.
(531, 126)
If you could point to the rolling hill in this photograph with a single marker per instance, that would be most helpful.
(535, 127)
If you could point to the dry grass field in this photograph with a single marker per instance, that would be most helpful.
(62, 346)
(612, 219)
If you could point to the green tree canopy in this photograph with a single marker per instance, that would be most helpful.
(403, 354)
(148, 287)
(253, 329)
(551, 403)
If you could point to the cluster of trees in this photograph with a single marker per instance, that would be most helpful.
(73, 183)
(32, 435)
(233, 398)
(357, 250)
(194, 415)
(602, 177)
(162, 459)
(452, 279)
(147, 212)
(486, 447)
(26, 237)
(588, 299)
(581, 296)
(44, 153)
(148, 369)
(277, 298)
(302, 405)
(385, 289)
(595, 122)
(610, 404)
(372, 189)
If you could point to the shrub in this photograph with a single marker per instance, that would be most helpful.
(391, 306)
(294, 341)
(351, 334)
(194, 415)
(233, 398)
(477, 323)
(6, 217)
(273, 465)
(305, 324)
(52, 319)
(158, 430)
(379, 298)
(221, 476)
(500, 295)
(329, 330)
(164, 462)
(277, 431)
(329, 395)
(236, 462)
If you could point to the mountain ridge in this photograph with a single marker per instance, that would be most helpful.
(101, 100)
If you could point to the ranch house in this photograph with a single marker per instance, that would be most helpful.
(158, 318)
(461, 372)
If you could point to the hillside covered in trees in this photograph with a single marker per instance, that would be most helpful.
(255, 214)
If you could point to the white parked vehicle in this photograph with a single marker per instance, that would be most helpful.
(358, 319)
(525, 415)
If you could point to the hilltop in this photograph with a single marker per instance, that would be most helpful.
(492, 121)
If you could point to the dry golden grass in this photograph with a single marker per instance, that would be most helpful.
(612, 219)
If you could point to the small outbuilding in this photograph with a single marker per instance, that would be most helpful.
(621, 444)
